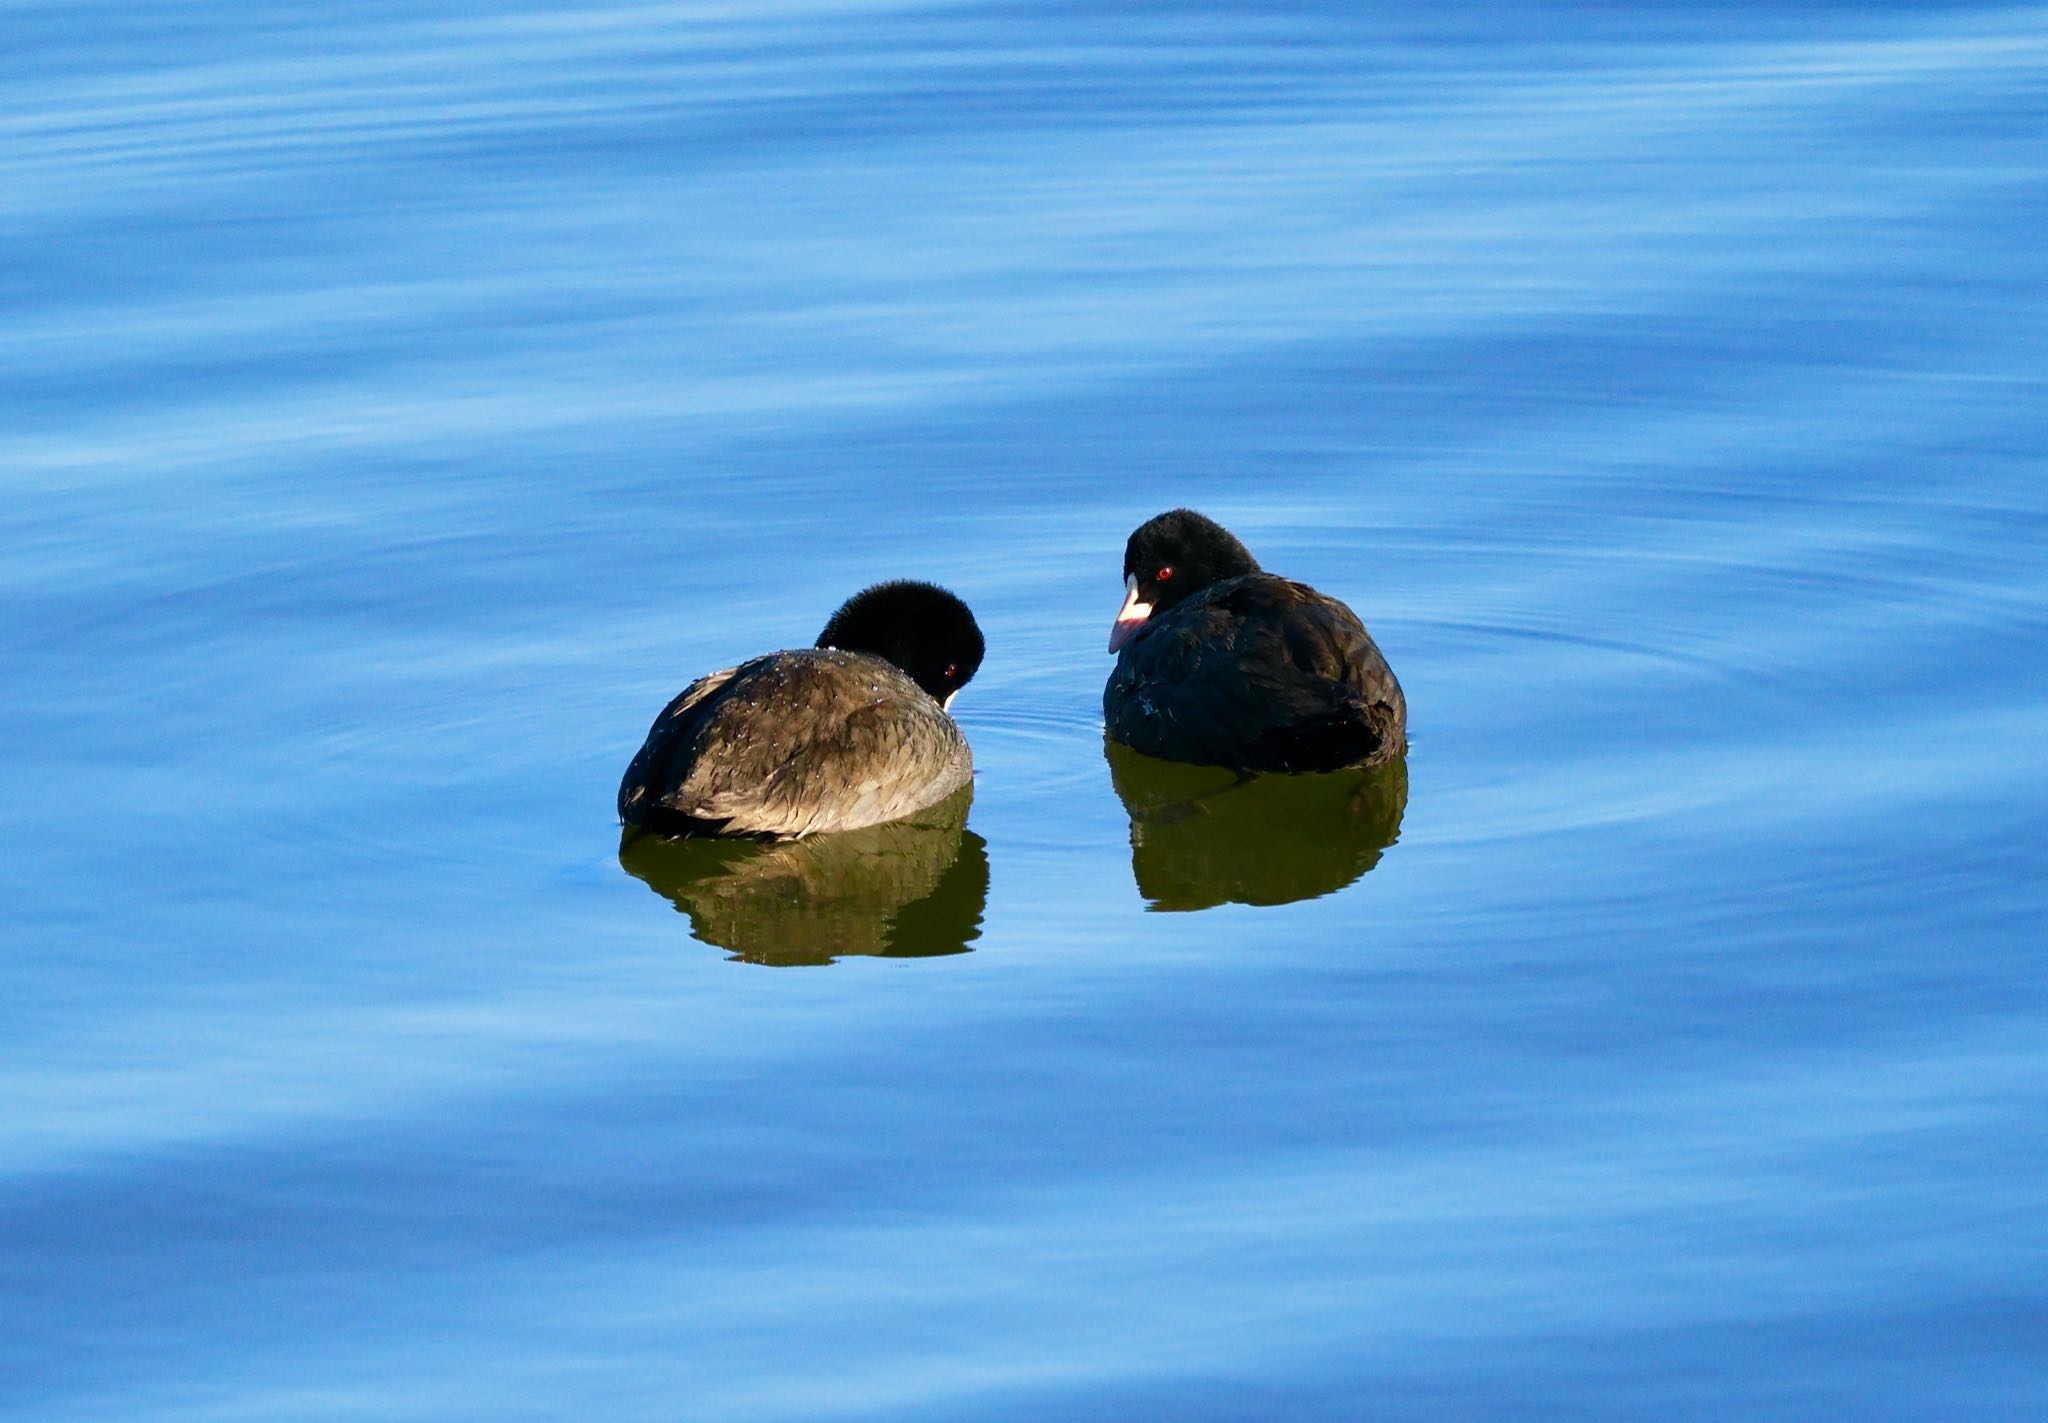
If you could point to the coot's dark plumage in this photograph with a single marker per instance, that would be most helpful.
(1220, 663)
(849, 733)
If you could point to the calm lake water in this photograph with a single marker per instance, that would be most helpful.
(401, 402)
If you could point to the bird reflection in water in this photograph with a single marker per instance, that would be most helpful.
(1208, 835)
(910, 888)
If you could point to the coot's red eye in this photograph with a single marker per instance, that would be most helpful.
(952, 669)
(1163, 574)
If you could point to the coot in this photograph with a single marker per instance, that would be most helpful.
(849, 733)
(1222, 664)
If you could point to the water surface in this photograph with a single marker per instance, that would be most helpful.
(400, 405)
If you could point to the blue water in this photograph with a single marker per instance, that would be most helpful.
(399, 403)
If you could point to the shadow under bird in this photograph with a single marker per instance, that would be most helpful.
(909, 888)
(1208, 835)
(849, 733)
(1223, 664)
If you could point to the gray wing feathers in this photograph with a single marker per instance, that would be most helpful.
(808, 741)
(648, 779)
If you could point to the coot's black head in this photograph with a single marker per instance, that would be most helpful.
(1169, 557)
(918, 626)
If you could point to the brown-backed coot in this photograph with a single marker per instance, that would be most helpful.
(1222, 664)
(849, 733)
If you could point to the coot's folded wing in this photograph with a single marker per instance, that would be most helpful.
(665, 757)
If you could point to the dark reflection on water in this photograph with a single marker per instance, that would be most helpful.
(914, 888)
(1205, 835)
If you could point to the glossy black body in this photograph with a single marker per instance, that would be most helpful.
(1246, 669)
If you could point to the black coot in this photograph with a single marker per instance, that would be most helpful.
(849, 733)
(1222, 664)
